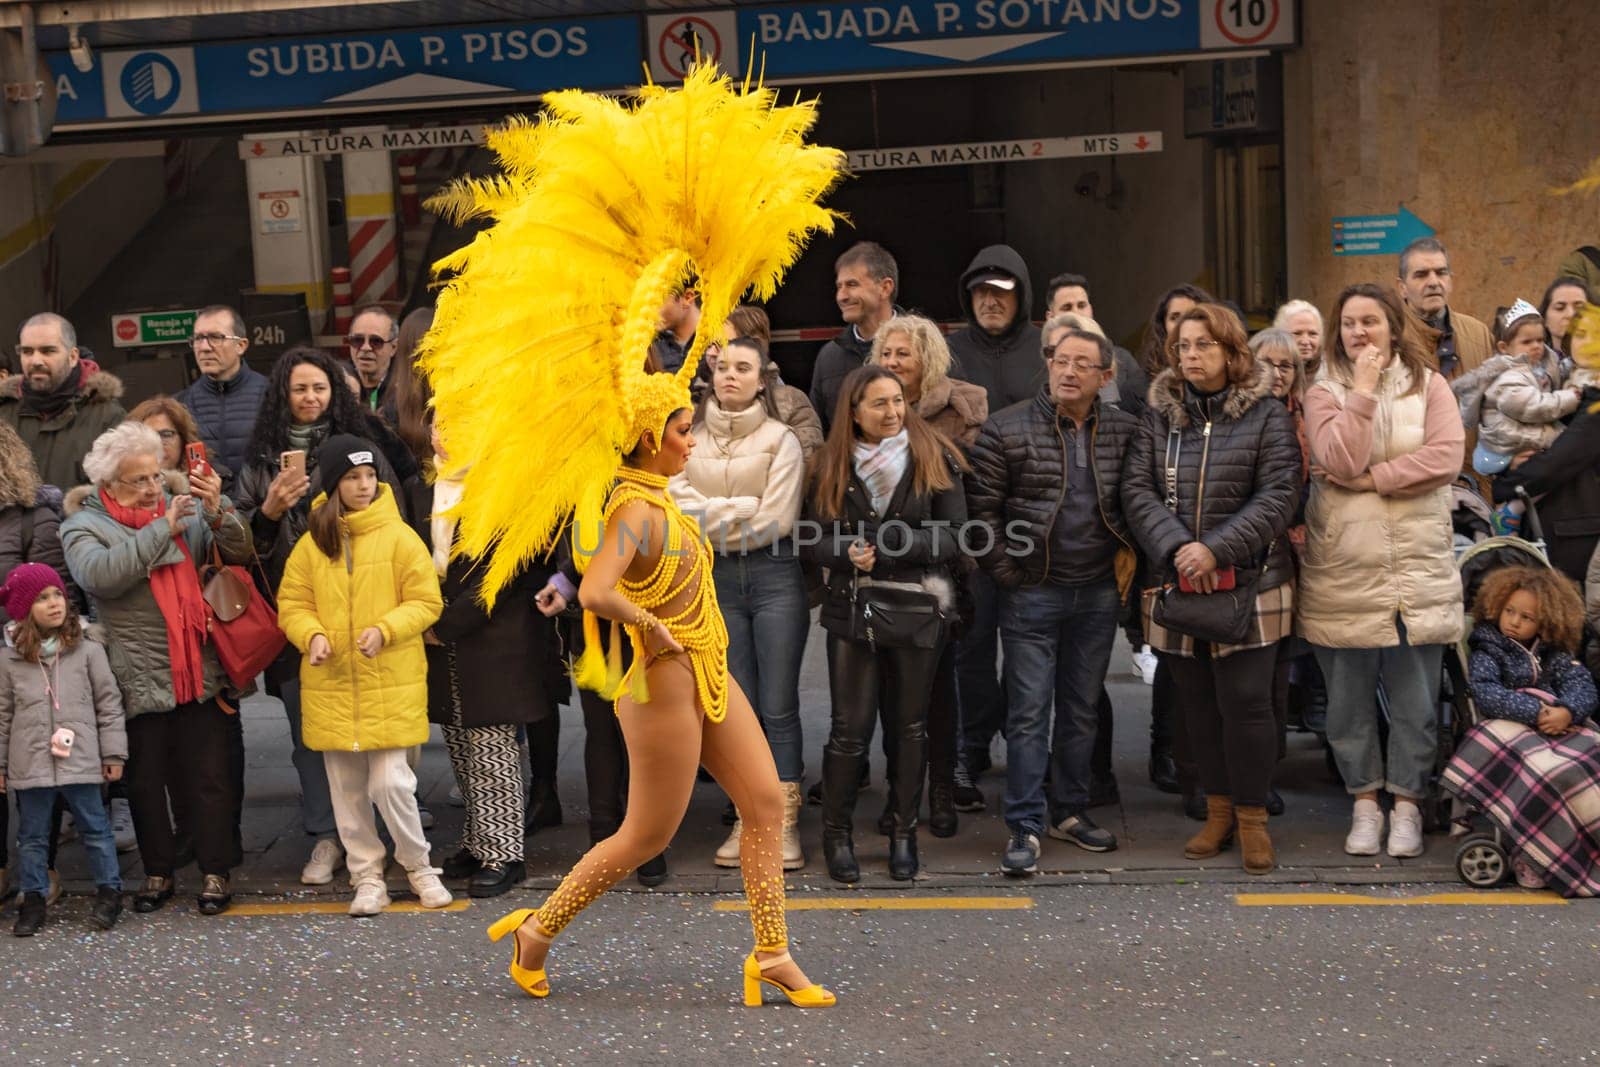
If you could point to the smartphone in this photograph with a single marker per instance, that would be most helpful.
(195, 458)
(294, 460)
(1224, 576)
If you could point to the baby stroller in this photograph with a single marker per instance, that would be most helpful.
(1483, 854)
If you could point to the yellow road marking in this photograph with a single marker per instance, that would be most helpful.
(891, 904)
(333, 907)
(1291, 900)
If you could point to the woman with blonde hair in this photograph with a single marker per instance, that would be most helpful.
(1301, 320)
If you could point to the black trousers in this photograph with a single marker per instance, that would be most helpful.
(193, 754)
(1227, 707)
(896, 681)
(605, 765)
(944, 721)
(544, 752)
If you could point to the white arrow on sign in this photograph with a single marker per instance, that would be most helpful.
(966, 49)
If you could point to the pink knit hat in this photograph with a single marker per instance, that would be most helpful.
(23, 586)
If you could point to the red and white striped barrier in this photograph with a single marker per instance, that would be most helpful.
(374, 259)
(342, 307)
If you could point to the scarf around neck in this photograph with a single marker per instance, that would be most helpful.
(308, 436)
(881, 466)
(49, 404)
(176, 587)
(446, 495)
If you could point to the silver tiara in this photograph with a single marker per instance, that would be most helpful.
(1520, 310)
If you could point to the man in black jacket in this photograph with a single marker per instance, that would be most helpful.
(866, 281)
(999, 349)
(1045, 480)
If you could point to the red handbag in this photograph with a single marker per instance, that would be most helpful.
(244, 621)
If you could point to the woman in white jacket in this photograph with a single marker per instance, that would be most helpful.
(744, 482)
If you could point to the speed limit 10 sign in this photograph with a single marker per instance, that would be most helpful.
(1246, 23)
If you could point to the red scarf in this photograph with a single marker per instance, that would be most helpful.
(177, 591)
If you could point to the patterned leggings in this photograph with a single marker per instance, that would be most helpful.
(667, 739)
(488, 766)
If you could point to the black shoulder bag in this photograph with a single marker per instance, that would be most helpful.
(1222, 617)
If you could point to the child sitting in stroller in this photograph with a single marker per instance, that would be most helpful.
(1533, 762)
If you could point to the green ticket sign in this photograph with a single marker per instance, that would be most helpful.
(136, 329)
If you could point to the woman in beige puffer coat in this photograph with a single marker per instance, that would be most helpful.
(1379, 595)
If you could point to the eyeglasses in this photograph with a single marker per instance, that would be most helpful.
(24, 351)
(148, 481)
(1202, 347)
(1078, 366)
(1279, 368)
(212, 339)
(358, 341)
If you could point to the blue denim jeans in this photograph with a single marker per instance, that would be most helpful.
(1057, 641)
(763, 599)
(94, 827)
(316, 806)
(1410, 676)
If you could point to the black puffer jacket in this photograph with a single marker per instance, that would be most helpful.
(1018, 476)
(916, 538)
(1238, 465)
(31, 533)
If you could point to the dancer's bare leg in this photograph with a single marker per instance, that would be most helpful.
(663, 739)
(736, 753)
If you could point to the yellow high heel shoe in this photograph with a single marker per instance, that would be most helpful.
(812, 996)
(533, 983)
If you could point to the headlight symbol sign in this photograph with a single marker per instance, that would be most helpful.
(150, 84)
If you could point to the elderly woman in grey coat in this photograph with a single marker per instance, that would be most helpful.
(133, 541)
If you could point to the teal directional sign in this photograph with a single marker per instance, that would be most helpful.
(1377, 235)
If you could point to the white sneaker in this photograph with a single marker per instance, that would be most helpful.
(122, 825)
(429, 890)
(728, 854)
(371, 898)
(326, 857)
(1366, 829)
(1145, 663)
(1405, 830)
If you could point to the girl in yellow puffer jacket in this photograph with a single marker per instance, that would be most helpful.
(358, 593)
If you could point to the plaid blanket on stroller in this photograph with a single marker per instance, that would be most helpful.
(1544, 792)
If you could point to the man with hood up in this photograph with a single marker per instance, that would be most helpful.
(999, 349)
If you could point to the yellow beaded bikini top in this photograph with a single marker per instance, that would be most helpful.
(684, 562)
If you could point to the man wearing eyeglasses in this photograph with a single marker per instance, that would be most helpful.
(61, 401)
(1046, 481)
(371, 343)
(226, 397)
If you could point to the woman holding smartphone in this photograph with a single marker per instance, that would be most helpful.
(305, 404)
(1209, 487)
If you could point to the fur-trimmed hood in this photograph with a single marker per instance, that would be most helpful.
(177, 482)
(1168, 397)
(94, 385)
(22, 487)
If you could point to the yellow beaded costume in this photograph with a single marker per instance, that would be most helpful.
(699, 627)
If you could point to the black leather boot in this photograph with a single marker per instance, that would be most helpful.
(903, 863)
(839, 853)
(107, 907)
(1164, 771)
(30, 915)
(942, 818)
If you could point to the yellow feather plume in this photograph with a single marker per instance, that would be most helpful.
(539, 341)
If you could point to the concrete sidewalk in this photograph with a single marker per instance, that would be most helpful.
(1149, 825)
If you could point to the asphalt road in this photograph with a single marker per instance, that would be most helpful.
(1078, 975)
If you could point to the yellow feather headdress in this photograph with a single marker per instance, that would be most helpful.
(604, 208)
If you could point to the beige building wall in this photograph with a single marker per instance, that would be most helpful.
(1467, 111)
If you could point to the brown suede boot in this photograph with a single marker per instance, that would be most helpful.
(1259, 858)
(1216, 834)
